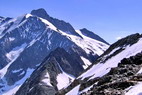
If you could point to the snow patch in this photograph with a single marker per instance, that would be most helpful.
(49, 34)
(114, 50)
(135, 90)
(63, 78)
(74, 91)
(140, 71)
(22, 73)
(86, 62)
(32, 42)
(27, 75)
(28, 15)
(15, 52)
(10, 90)
(15, 71)
(11, 38)
(13, 55)
(86, 89)
(47, 79)
(49, 42)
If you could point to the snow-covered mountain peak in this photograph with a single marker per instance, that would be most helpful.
(28, 39)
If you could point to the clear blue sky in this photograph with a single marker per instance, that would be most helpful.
(110, 19)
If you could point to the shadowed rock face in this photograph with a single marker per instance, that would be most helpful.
(57, 62)
(40, 13)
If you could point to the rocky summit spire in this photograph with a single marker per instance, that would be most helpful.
(60, 24)
(40, 13)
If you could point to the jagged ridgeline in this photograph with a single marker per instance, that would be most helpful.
(37, 42)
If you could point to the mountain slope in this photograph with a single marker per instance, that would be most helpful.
(51, 75)
(26, 40)
(97, 79)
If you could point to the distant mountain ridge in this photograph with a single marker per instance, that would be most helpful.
(27, 40)
(90, 34)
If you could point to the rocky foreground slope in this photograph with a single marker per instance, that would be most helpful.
(116, 72)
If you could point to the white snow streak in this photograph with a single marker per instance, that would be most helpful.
(15, 71)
